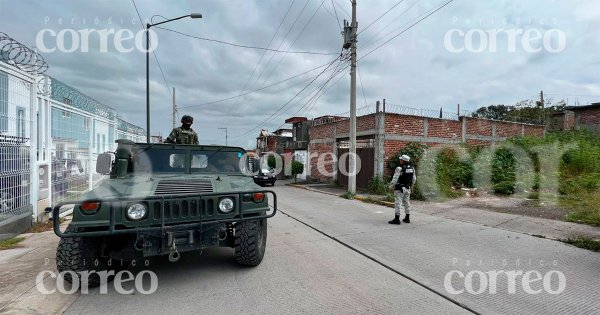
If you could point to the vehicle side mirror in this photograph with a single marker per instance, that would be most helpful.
(103, 163)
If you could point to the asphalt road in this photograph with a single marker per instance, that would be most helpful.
(327, 255)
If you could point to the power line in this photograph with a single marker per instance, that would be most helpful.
(371, 40)
(342, 7)
(259, 89)
(262, 56)
(296, 39)
(288, 102)
(408, 28)
(377, 19)
(244, 46)
(361, 85)
(313, 100)
(336, 16)
(154, 53)
(280, 44)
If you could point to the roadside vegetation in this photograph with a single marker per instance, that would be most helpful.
(11, 243)
(574, 185)
(584, 242)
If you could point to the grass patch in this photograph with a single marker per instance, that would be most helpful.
(39, 227)
(348, 195)
(11, 243)
(584, 242)
(585, 207)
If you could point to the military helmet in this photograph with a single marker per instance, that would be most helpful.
(187, 118)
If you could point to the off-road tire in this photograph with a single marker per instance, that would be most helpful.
(79, 254)
(250, 242)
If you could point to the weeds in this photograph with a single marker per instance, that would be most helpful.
(11, 243)
(348, 195)
(584, 242)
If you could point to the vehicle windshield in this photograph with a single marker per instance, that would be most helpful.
(216, 161)
(155, 160)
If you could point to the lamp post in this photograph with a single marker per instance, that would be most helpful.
(148, 26)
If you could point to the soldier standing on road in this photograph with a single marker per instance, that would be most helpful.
(184, 134)
(402, 182)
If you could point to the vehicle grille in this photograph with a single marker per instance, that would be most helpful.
(183, 187)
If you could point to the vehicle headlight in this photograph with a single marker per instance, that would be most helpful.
(226, 205)
(136, 211)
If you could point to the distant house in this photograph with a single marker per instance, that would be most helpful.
(583, 117)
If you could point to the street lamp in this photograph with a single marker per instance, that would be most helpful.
(148, 26)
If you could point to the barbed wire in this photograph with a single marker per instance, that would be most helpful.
(418, 112)
(20, 56)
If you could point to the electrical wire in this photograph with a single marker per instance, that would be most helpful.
(261, 58)
(361, 85)
(336, 16)
(288, 102)
(408, 28)
(245, 46)
(259, 89)
(377, 19)
(296, 39)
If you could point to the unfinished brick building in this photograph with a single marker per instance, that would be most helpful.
(381, 135)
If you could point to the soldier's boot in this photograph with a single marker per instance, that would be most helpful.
(406, 218)
(396, 220)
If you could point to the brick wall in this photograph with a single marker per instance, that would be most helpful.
(589, 118)
(402, 129)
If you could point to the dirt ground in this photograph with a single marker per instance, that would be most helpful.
(515, 205)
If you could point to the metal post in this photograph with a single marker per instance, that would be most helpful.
(33, 149)
(352, 162)
(174, 111)
(91, 137)
(224, 128)
(147, 83)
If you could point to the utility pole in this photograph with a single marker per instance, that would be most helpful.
(174, 110)
(224, 128)
(352, 158)
(542, 105)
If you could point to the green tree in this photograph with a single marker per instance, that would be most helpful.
(297, 168)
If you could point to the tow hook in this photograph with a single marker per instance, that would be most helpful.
(174, 256)
(222, 234)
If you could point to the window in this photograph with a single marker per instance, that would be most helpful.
(86, 123)
(21, 122)
(103, 143)
(98, 143)
(66, 114)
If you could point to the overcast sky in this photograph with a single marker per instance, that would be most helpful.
(417, 68)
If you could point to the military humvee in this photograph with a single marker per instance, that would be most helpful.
(164, 199)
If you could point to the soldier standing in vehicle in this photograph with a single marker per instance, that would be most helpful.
(184, 134)
(402, 182)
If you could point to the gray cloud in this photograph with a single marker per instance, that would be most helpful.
(414, 69)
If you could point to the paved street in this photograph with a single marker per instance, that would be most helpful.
(328, 255)
(430, 247)
(303, 272)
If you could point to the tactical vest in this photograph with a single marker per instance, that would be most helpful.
(406, 178)
(185, 136)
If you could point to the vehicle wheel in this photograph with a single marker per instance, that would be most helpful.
(79, 254)
(250, 242)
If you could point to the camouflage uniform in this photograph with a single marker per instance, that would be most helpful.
(181, 135)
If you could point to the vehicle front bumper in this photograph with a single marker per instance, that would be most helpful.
(111, 226)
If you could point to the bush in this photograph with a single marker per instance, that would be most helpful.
(348, 195)
(504, 172)
(297, 168)
(416, 151)
(378, 185)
